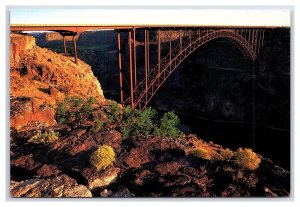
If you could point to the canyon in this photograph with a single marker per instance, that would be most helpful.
(145, 166)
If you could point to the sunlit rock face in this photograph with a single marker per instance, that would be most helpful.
(42, 77)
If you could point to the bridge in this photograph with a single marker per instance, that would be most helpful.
(248, 40)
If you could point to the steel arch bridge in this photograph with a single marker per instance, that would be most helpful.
(248, 41)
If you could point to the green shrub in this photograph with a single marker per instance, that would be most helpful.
(144, 123)
(136, 122)
(98, 125)
(92, 100)
(103, 157)
(74, 110)
(46, 137)
(168, 125)
(114, 112)
(247, 159)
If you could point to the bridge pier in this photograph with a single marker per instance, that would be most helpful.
(146, 51)
(134, 58)
(65, 47)
(75, 50)
(74, 35)
(130, 68)
(120, 68)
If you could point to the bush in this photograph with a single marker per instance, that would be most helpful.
(114, 112)
(202, 153)
(98, 125)
(46, 137)
(168, 125)
(136, 122)
(215, 156)
(103, 157)
(74, 110)
(247, 159)
(227, 154)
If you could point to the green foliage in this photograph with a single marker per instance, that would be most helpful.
(136, 122)
(42, 138)
(144, 122)
(92, 100)
(103, 157)
(74, 110)
(168, 125)
(247, 159)
(114, 112)
(98, 125)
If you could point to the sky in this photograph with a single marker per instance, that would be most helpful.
(203, 17)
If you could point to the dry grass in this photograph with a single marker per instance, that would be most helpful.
(247, 159)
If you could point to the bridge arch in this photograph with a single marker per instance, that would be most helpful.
(147, 88)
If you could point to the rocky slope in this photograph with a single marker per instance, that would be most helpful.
(42, 77)
(50, 157)
(145, 167)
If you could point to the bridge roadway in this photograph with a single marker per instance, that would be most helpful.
(248, 39)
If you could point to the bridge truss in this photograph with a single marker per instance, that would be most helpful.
(249, 41)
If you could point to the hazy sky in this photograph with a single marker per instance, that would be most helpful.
(247, 17)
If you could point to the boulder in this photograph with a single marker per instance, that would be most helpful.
(26, 162)
(48, 170)
(61, 186)
(99, 179)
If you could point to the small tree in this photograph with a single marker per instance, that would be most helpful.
(168, 125)
(136, 122)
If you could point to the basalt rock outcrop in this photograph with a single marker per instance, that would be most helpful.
(40, 77)
(145, 166)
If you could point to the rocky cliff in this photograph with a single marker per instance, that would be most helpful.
(43, 77)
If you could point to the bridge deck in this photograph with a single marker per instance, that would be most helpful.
(84, 27)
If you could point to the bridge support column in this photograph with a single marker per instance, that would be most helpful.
(134, 58)
(158, 53)
(170, 54)
(65, 47)
(130, 68)
(180, 39)
(75, 50)
(253, 104)
(146, 46)
(120, 68)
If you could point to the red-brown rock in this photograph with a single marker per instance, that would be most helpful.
(48, 170)
(112, 138)
(25, 110)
